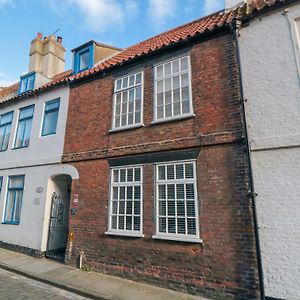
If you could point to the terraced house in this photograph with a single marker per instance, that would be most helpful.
(32, 127)
(145, 162)
(156, 135)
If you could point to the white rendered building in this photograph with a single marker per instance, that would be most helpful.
(270, 64)
(34, 186)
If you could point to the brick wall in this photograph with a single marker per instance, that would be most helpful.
(224, 265)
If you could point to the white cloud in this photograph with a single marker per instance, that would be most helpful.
(6, 80)
(99, 15)
(3, 2)
(211, 6)
(160, 11)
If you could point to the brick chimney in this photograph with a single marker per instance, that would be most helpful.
(47, 55)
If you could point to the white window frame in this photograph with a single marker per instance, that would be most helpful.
(189, 72)
(177, 236)
(116, 91)
(132, 233)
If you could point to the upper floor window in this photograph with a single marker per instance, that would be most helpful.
(126, 201)
(1, 181)
(5, 127)
(14, 199)
(83, 58)
(173, 96)
(176, 201)
(27, 83)
(50, 117)
(128, 101)
(24, 127)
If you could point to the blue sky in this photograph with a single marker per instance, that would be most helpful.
(116, 22)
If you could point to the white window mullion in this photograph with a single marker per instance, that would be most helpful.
(125, 186)
(181, 218)
(125, 111)
(163, 78)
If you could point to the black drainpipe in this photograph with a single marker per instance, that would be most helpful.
(252, 193)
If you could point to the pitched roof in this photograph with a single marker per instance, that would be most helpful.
(5, 91)
(181, 33)
(185, 32)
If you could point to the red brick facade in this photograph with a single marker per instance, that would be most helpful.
(224, 265)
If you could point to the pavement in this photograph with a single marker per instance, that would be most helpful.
(93, 285)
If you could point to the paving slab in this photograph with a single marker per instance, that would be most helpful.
(93, 285)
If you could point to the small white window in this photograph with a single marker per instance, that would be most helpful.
(177, 201)
(128, 101)
(126, 201)
(173, 97)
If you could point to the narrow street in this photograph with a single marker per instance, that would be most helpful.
(16, 287)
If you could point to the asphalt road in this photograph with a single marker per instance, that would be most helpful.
(16, 287)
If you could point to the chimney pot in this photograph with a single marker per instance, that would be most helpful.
(39, 35)
(59, 39)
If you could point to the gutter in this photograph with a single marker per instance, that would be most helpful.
(252, 194)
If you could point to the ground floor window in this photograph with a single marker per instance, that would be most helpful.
(126, 199)
(14, 199)
(176, 200)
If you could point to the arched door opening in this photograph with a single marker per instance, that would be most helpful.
(59, 189)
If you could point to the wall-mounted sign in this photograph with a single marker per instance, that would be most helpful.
(39, 189)
(75, 198)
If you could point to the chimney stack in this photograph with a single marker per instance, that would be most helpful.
(47, 56)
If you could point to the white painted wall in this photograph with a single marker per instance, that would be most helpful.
(42, 149)
(269, 52)
(32, 232)
(38, 162)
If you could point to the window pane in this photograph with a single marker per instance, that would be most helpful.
(26, 112)
(171, 208)
(130, 100)
(138, 78)
(16, 182)
(179, 171)
(6, 118)
(175, 66)
(20, 134)
(52, 105)
(84, 60)
(159, 71)
(137, 224)
(173, 89)
(162, 208)
(181, 226)
(171, 225)
(9, 206)
(131, 80)
(170, 172)
(50, 122)
(161, 172)
(184, 64)
(126, 199)
(167, 69)
(162, 192)
(176, 203)
(162, 225)
(27, 131)
(14, 199)
(119, 83)
(160, 86)
(125, 82)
